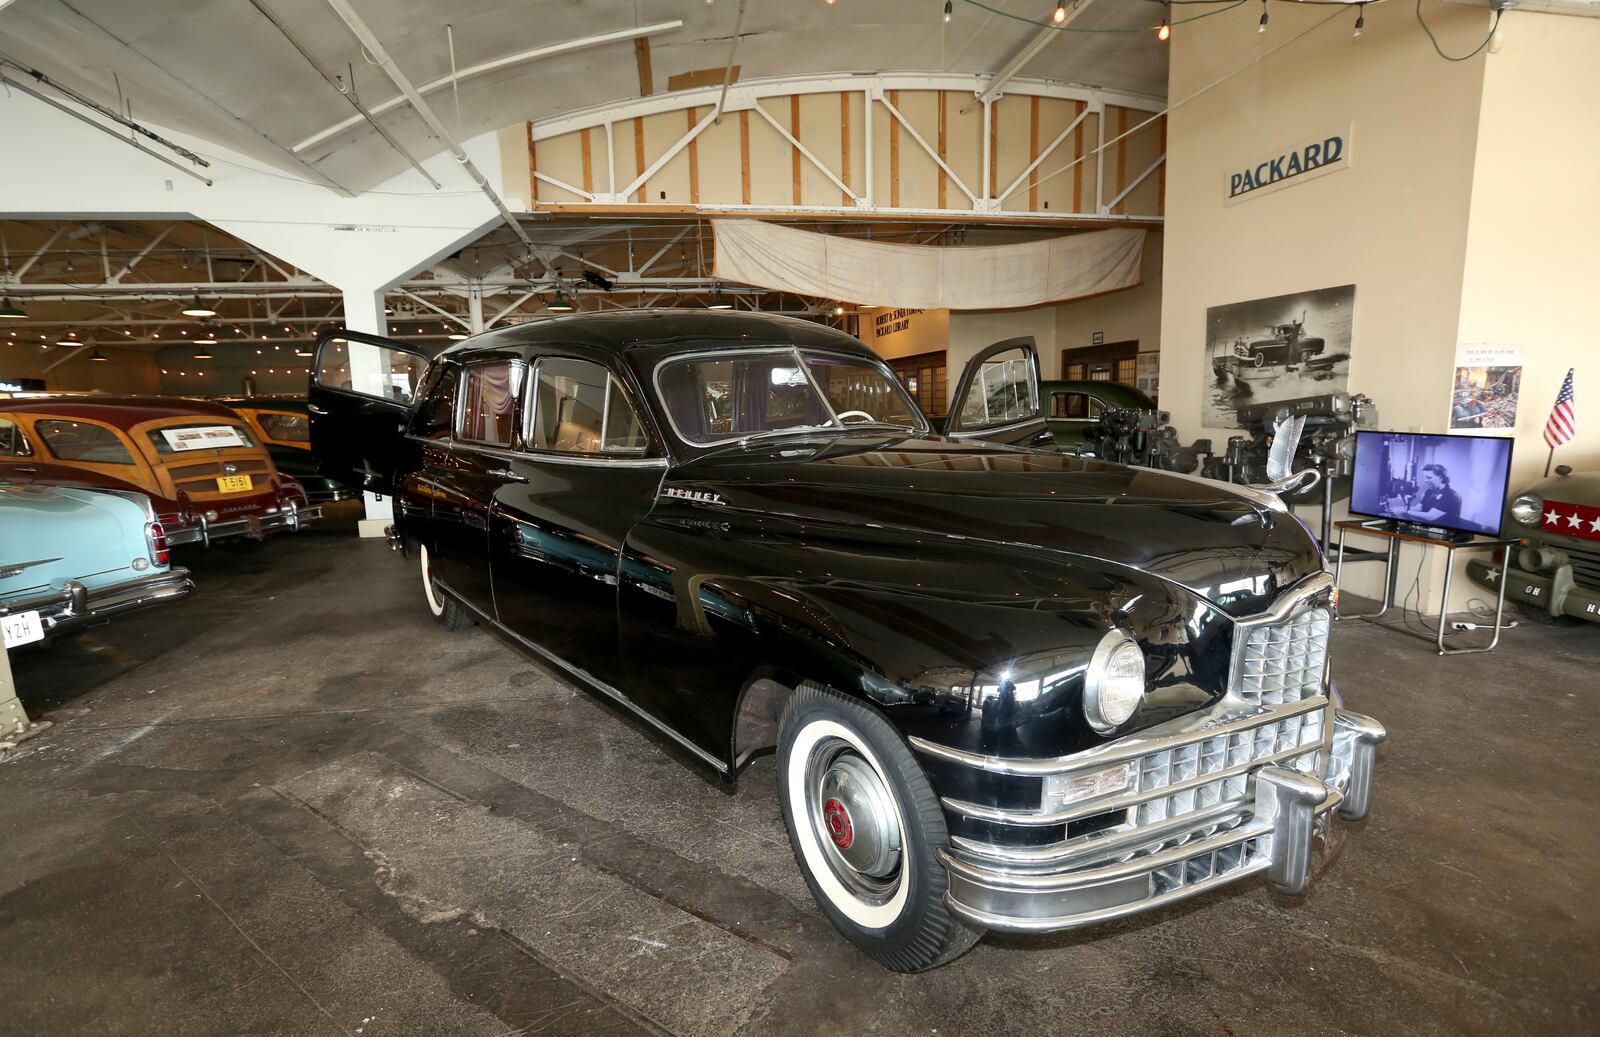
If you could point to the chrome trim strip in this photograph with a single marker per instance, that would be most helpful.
(980, 432)
(1224, 717)
(1119, 800)
(588, 678)
(1096, 844)
(1291, 600)
(539, 457)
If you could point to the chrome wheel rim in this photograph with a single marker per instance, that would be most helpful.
(855, 820)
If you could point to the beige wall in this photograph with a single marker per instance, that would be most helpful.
(126, 370)
(1393, 223)
(1131, 314)
(1533, 238)
(925, 331)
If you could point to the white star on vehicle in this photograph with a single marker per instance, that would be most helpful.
(1552, 517)
(1594, 524)
(1492, 575)
(1574, 520)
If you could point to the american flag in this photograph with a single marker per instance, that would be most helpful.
(1563, 424)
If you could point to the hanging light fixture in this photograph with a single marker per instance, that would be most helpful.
(1165, 32)
(948, 9)
(99, 357)
(198, 309)
(301, 351)
(1263, 26)
(68, 340)
(456, 336)
(560, 304)
(718, 302)
(203, 354)
(11, 310)
(1060, 14)
(206, 338)
(1361, 20)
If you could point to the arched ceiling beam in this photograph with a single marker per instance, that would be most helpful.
(471, 71)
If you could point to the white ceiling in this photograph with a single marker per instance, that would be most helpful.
(220, 70)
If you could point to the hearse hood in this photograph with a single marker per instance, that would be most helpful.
(1236, 551)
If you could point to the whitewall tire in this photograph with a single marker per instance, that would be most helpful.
(866, 830)
(444, 608)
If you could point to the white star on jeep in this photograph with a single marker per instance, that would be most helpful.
(1492, 575)
(1552, 517)
(1574, 520)
(1594, 524)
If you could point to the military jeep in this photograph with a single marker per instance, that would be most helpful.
(1555, 574)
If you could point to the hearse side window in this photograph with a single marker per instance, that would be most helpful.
(12, 442)
(83, 441)
(437, 417)
(580, 408)
(361, 367)
(489, 394)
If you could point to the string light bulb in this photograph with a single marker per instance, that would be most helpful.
(1361, 20)
(1263, 26)
(948, 10)
(1060, 14)
(1165, 32)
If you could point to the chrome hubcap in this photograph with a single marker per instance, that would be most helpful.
(855, 819)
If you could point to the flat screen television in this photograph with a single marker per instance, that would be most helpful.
(1457, 483)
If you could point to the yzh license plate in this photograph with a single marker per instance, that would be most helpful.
(21, 629)
(233, 483)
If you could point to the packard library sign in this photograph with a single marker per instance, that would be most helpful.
(1311, 158)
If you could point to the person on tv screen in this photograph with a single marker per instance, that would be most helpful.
(1435, 505)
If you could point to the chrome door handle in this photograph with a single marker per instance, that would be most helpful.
(313, 408)
(28, 469)
(507, 474)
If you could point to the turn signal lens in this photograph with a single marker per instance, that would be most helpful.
(1115, 683)
(1527, 508)
(157, 538)
(1061, 790)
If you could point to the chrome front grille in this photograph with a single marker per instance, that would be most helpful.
(1281, 662)
(1210, 864)
(1293, 741)
(1585, 565)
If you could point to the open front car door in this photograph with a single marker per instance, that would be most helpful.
(998, 397)
(362, 390)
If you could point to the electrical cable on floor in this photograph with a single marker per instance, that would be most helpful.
(1498, 12)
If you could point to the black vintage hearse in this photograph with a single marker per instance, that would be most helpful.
(1008, 688)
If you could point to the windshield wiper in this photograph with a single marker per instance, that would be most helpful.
(768, 433)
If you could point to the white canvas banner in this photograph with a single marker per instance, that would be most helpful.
(977, 277)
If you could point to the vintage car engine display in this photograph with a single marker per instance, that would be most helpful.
(1008, 687)
(1144, 438)
(1555, 574)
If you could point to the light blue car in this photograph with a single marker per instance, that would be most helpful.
(70, 558)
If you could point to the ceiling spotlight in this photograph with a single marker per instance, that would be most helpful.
(838, 311)
(1263, 26)
(1060, 14)
(203, 354)
(947, 9)
(718, 302)
(68, 342)
(10, 309)
(560, 304)
(99, 357)
(1361, 20)
(301, 351)
(198, 309)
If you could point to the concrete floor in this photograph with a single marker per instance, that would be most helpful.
(295, 805)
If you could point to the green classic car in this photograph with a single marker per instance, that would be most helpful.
(1073, 408)
(73, 557)
(1555, 573)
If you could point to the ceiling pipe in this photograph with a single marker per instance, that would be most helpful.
(347, 91)
(472, 71)
(381, 55)
(1029, 50)
(727, 71)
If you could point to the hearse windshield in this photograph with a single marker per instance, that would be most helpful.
(714, 398)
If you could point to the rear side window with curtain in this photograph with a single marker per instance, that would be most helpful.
(489, 397)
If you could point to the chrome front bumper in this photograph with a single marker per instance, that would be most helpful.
(1280, 826)
(76, 605)
(291, 519)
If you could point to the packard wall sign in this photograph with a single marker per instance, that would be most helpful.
(1309, 158)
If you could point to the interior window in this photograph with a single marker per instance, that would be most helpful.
(375, 371)
(12, 442)
(83, 441)
(285, 428)
(489, 402)
(437, 418)
(1074, 405)
(1001, 393)
(580, 408)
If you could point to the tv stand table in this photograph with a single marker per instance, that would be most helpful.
(1388, 531)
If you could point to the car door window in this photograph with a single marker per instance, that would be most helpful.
(1074, 405)
(437, 419)
(370, 370)
(1001, 393)
(12, 442)
(581, 408)
(83, 441)
(488, 408)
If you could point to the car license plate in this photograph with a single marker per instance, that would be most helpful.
(22, 629)
(233, 483)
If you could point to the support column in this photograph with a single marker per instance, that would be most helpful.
(363, 311)
(475, 307)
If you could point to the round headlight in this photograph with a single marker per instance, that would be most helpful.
(1115, 684)
(1527, 508)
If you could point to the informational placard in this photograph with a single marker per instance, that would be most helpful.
(1488, 380)
(203, 437)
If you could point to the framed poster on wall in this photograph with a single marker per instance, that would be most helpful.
(1285, 347)
(1488, 380)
